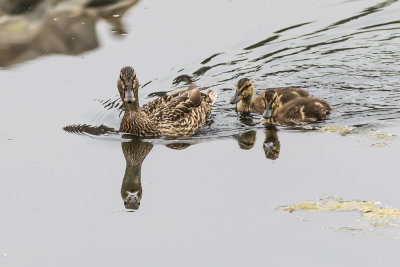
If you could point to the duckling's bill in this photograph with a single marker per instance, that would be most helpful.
(267, 112)
(236, 97)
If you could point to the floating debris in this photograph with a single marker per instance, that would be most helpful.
(342, 130)
(379, 145)
(380, 136)
(368, 209)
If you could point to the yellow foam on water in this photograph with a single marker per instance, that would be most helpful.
(342, 130)
(379, 145)
(382, 136)
(369, 209)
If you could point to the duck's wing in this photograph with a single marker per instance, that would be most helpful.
(191, 105)
(154, 105)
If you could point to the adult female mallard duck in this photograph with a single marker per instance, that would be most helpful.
(250, 104)
(178, 114)
(300, 110)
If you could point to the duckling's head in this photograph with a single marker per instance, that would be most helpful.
(269, 97)
(244, 91)
(128, 85)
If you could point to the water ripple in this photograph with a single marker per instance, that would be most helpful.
(351, 63)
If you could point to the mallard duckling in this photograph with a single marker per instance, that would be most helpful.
(250, 104)
(297, 111)
(180, 114)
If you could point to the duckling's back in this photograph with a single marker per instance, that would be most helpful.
(287, 94)
(303, 110)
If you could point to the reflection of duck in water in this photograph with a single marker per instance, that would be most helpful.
(135, 152)
(297, 111)
(271, 143)
(178, 114)
(250, 104)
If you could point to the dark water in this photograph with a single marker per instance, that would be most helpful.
(67, 176)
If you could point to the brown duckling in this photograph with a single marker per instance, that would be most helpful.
(300, 110)
(250, 104)
(179, 114)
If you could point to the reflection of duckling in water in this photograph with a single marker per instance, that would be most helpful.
(246, 140)
(271, 144)
(297, 111)
(135, 152)
(250, 104)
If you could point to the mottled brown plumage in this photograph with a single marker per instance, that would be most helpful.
(179, 114)
(249, 104)
(300, 110)
(153, 106)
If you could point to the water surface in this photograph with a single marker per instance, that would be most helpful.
(67, 176)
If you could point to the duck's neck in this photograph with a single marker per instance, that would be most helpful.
(245, 105)
(132, 107)
(136, 122)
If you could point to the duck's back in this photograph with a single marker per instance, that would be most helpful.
(153, 106)
(184, 114)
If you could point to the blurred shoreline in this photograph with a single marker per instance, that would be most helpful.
(30, 29)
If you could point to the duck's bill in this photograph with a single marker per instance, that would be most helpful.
(267, 111)
(129, 97)
(236, 97)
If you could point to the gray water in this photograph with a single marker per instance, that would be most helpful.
(209, 199)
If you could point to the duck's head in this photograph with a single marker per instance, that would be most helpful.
(128, 85)
(244, 91)
(269, 97)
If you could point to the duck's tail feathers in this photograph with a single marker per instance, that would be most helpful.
(213, 96)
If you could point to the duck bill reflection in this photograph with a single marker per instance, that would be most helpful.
(128, 95)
